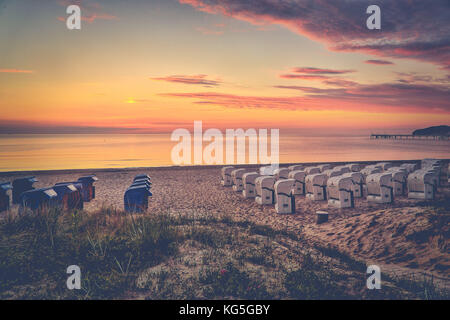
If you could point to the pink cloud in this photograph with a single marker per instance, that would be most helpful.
(15, 71)
(412, 29)
(199, 79)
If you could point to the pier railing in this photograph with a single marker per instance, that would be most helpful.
(377, 136)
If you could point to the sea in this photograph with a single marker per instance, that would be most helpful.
(26, 152)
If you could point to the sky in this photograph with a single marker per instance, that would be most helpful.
(154, 66)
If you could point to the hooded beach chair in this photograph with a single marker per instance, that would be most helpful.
(324, 167)
(69, 197)
(248, 180)
(265, 190)
(226, 180)
(299, 182)
(236, 176)
(421, 185)
(281, 173)
(340, 192)
(354, 167)
(88, 188)
(136, 199)
(284, 198)
(399, 180)
(312, 170)
(359, 182)
(379, 188)
(38, 199)
(296, 168)
(4, 195)
(316, 185)
(20, 186)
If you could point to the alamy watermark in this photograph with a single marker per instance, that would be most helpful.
(229, 148)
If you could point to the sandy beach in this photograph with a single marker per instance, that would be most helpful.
(400, 236)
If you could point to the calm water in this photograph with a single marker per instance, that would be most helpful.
(46, 152)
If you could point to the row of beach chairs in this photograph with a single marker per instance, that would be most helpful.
(68, 195)
(339, 185)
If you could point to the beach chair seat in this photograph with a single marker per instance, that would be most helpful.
(39, 199)
(340, 192)
(399, 180)
(296, 168)
(384, 165)
(268, 170)
(248, 179)
(226, 180)
(421, 185)
(379, 188)
(281, 173)
(20, 186)
(312, 170)
(69, 197)
(370, 170)
(359, 182)
(136, 199)
(88, 188)
(324, 167)
(284, 198)
(142, 177)
(410, 167)
(332, 172)
(316, 187)
(265, 190)
(354, 167)
(4, 196)
(342, 169)
(299, 184)
(236, 176)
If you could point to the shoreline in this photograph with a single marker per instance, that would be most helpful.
(194, 167)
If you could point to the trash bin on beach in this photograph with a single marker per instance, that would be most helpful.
(69, 196)
(4, 196)
(39, 199)
(88, 188)
(136, 198)
(20, 186)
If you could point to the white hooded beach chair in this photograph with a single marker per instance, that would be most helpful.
(236, 175)
(410, 167)
(296, 168)
(332, 173)
(324, 167)
(268, 170)
(248, 179)
(379, 188)
(340, 192)
(399, 178)
(299, 184)
(342, 169)
(265, 190)
(227, 181)
(384, 165)
(312, 170)
(359, 183)
(284, 198)
(316, 186)
(281, 173)
(370, 170)
(421, 185)
(354, 167)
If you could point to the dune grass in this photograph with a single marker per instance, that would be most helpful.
(125, 256)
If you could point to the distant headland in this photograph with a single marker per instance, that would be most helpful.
(433, 131)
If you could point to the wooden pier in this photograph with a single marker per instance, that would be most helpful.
(377, 136)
